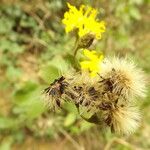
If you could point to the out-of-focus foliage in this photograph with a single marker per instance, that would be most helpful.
(34, 50)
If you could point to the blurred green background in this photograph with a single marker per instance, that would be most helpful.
(34, 50)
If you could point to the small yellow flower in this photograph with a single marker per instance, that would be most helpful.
(84, 20)
(93, 64)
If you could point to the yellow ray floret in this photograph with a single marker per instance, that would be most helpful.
(93, 64)
(84, 20)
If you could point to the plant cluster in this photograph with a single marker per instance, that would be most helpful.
(105, 89)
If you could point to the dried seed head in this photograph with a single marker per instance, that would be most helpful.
(82, 90)
(110, 94)
(127, 79)
(54, 93)
(123, 120)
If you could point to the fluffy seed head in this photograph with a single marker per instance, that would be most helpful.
(124, 120)
(127, 79)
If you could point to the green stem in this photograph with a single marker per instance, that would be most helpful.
(76, 47)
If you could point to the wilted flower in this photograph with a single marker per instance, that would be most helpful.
(84, 20)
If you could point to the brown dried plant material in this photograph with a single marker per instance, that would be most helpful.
(109, 98)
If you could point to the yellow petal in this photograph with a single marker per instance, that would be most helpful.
(94, 62)
(90, 54)
(93, 74)
(85, 64)
(84, 19)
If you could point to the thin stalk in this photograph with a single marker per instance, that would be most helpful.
(76, 47)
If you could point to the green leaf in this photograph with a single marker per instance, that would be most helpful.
(4, 85)
(6, 25)
(28, 101)
(13, 73)
(12, 10)
(70, 119)
(60, 63)
(28, 22)
(49, 73)
(7, 123)
(85, 126)
(75, 130)
(134, 12)
(24, 92)
(6, 144)
(70, 107)
(13, 47)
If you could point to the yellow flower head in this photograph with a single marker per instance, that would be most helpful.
(93, 64)
(84, 20)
